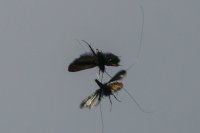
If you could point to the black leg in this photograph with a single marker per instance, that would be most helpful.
(110, 103)
(116, 98)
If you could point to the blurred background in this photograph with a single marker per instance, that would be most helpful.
(38, 42)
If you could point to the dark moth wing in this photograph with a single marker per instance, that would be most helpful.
(92, 100)
(118, 76)
(85, 61)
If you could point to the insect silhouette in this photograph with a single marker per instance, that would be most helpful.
(91, 60)
(111, 87)
(107, 89)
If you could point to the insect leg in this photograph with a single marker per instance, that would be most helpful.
(101, 77)
(116, 98)
(98, 76)
(108, 74)
(110, 103)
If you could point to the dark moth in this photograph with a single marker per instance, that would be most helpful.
(93, 59)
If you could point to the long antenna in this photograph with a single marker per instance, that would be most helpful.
(141, 38)
(81, 45)
(141, 33)
(89, 47)
(137, 56)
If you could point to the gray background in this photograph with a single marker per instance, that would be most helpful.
(38, 41)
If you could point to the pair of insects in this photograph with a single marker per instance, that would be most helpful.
(100, 59)
(107, 89)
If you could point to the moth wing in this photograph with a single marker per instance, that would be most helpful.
(85, 61)
(118, 76)
(115, 86)
(91, 101)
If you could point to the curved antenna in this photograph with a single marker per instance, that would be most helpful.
(140, 41)
(141, 33)
(81, 45)
(89, 47)
(137, 56)
(134, 100)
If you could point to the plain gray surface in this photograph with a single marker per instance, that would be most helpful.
(38, 41)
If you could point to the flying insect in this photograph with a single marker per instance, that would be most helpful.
(107, 89)
(93, 59)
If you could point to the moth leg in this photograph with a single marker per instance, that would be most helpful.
(101, 77)
(116, 98)
(108, 74)
(98, 76)
(110, 104)
(99, 72)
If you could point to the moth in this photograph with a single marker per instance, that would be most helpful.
(93, 59)
(105, 89)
